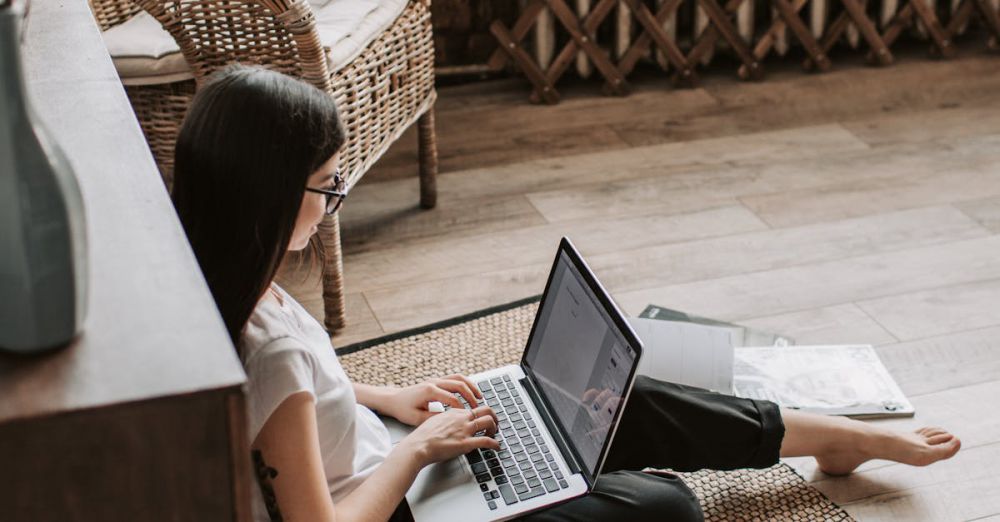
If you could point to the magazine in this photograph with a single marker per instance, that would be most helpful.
(845, 380)
(835, 380)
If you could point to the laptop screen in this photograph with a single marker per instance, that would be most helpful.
(580, 360)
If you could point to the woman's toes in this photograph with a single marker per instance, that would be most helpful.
(939, 438)
(939, 447)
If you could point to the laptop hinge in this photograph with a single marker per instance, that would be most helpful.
(557, 434)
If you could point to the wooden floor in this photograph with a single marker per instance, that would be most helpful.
(862, 205)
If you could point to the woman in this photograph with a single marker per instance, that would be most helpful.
(255, 171)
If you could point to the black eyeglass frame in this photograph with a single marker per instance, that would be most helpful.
(338, 184)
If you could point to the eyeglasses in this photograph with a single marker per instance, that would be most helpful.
(334, 198)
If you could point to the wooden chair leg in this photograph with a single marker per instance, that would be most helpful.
(333, 275)
(428, 159)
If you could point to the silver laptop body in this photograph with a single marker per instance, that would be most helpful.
(558, 408)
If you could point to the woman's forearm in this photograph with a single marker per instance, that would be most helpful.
(377, 398)
(377, 497)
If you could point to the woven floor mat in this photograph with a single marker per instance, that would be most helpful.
(497, 336)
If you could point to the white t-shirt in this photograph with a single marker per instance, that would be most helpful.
(286, 351)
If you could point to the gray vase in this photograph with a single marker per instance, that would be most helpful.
(43, 264)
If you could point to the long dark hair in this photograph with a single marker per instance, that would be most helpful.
(248, 145)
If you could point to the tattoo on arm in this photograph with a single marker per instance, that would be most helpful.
(264, 475)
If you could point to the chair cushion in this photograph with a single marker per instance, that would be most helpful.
(144, 53)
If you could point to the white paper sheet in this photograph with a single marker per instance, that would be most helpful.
(686, 353)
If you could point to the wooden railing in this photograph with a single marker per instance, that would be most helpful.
(608, 38)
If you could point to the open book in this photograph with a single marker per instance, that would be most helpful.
(835, 380)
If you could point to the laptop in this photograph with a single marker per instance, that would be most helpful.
(558, 409)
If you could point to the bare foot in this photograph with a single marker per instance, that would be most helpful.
(920, 448)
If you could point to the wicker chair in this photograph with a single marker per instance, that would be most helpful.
(380, 93)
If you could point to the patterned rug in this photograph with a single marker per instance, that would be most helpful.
(496, 337)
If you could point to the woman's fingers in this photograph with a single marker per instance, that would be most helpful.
(468, 382)
(481, 442)
(485, 410)
(446, 397)
(460, 387)
(483, 423)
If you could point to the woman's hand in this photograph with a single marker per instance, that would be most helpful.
(409, 405)
(452, 433)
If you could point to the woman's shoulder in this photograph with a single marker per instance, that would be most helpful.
(278, 324)
(270, 327)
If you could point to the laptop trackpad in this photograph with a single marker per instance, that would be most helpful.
(440, 477)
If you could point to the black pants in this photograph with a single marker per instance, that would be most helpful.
(672, 426)
(668, 425)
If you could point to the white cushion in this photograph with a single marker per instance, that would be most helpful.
(346, 27)
(144, 53)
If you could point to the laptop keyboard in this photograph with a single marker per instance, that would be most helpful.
(525, 467)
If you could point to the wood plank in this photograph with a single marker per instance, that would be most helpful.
(790, 98)
(617, 165)
(958, 120)
(457, 256)
(479, 121)
(414, 304)
(939, 363)
(828, 283)
(937, 311)
(373, 223)
(475, 137)
(710, 259)
(943, 178)
(362, 320)
(765, 188)
(499, 149)
(838, 324)
(401, 307)
(985, 211)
